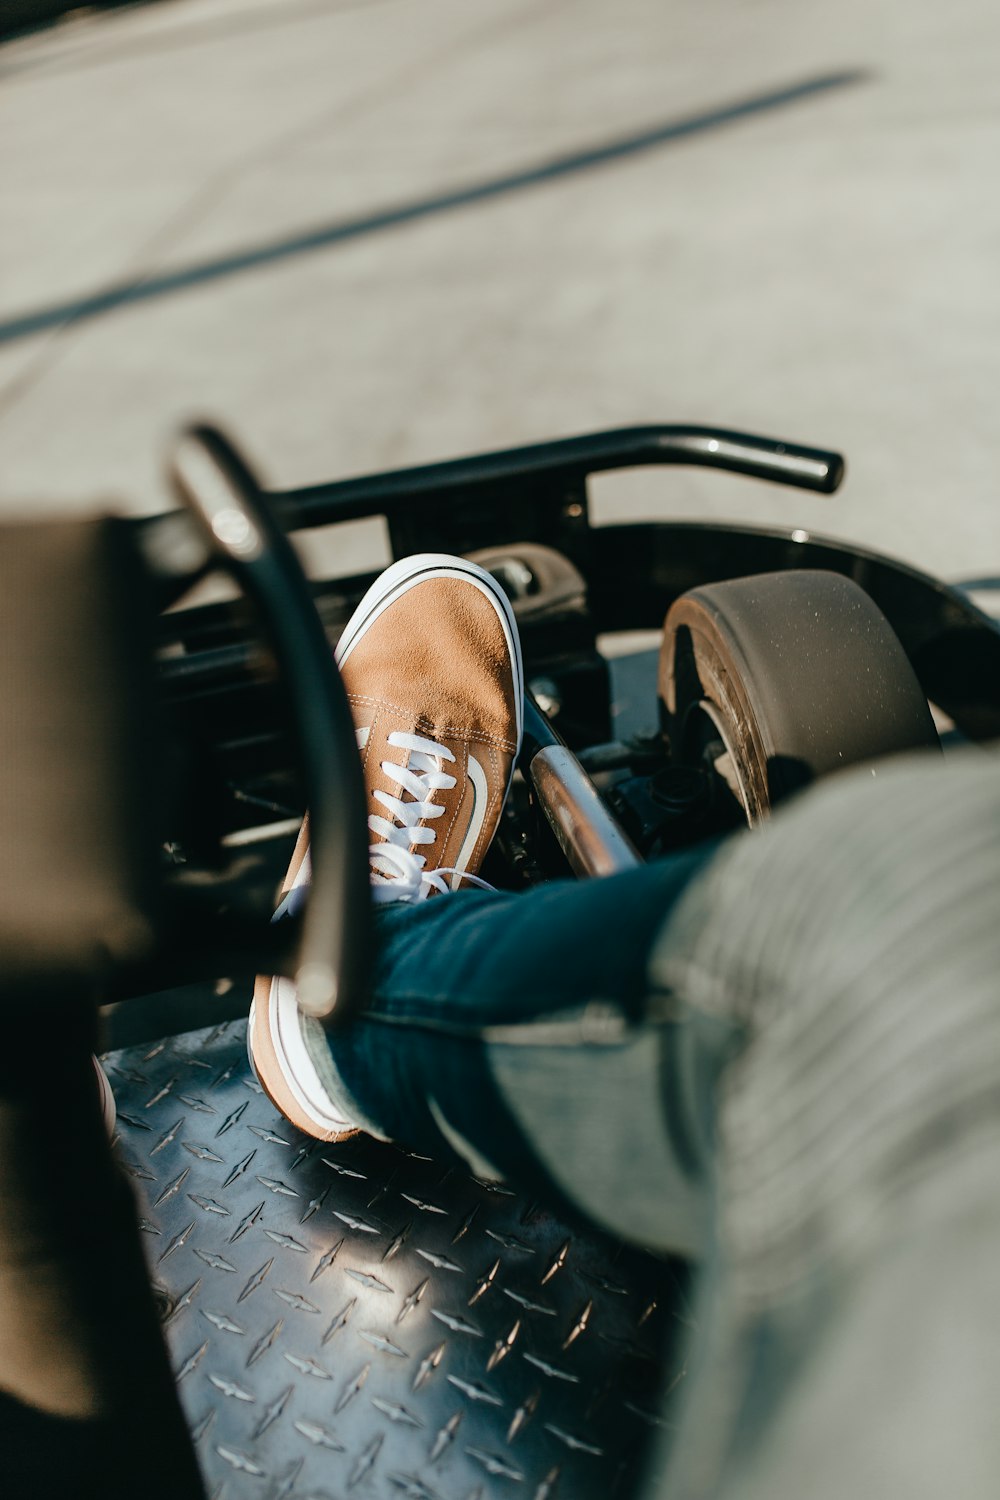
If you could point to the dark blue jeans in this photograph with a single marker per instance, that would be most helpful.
(527, 1034)
(780, 1056)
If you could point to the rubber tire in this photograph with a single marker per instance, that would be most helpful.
(802, 675)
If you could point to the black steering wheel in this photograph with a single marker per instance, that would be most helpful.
(237, 527)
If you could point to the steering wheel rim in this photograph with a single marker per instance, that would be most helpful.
(219, 489)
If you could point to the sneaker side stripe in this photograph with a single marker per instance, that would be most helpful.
(480, 802)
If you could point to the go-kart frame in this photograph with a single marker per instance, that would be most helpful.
(631, 573)
(349, 1381)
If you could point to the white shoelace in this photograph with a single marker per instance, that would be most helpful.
(398, 874)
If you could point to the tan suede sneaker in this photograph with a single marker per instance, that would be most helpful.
(432, 665)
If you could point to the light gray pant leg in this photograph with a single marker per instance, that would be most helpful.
(850, 1322)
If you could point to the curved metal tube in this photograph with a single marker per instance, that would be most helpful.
(218, 487)
(567, 461)
(587, 831)
(178, 557)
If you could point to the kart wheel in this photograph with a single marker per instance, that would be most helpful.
(779, 679)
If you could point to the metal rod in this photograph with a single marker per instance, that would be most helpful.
(589, 834)
(178, 556)
(562, 463)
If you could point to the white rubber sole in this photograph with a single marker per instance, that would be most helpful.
(298, 1093)
(108, 1110)
(306, 1102)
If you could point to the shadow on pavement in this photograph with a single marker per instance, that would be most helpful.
(341, 231)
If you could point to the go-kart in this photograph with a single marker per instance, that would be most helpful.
(353, 1319)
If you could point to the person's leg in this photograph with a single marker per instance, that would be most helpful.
(831, 981)
(849, 1328)
(524, 1033)
(515, 1031)
(847, 958)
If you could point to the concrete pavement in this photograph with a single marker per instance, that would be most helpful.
(372, 234)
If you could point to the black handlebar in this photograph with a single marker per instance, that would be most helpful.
(179, 557)
(218, 487)
(565, 462)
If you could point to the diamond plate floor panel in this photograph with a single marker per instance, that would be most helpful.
(356, 1321)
